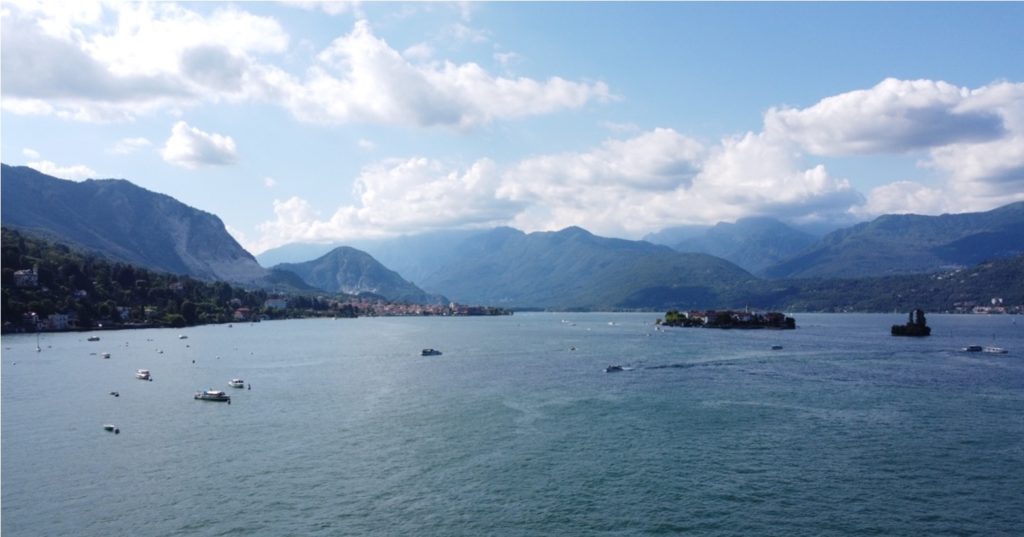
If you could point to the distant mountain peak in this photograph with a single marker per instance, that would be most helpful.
(349, 270)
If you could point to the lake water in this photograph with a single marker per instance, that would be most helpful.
(348, 431)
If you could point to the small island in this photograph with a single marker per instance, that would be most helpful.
(916, 326)
(729, 319)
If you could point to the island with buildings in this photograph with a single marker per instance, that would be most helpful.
(727, 319)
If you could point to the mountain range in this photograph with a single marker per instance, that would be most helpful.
(571, 268)
(752, 243)
(909, 244)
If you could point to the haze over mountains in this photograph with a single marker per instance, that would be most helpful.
(565, 269)
(752, 243)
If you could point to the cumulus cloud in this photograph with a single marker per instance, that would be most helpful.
(892, 117)
(330, 7)
(621, 187)
(192, 148)
(269, 182)
(30, 153)
(74, 172)
(361, 78)
(165, 56)
(398, 196)
(127, 146)
(973, 137)
(155, 56)
(904, 197)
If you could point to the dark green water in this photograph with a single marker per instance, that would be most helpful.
(348, 431)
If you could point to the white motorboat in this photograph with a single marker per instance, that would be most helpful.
(143, 374)
(213, 395)
(236, 383)
(105, 355)
(112, 428)
(995, 350)
(972, 348)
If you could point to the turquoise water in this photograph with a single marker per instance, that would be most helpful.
(348, 431)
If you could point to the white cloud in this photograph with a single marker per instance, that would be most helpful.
(661, 178)
(360, 78)
(366, 145)
(330, 7)
(155, 56)
(973, 137)
(624, 187)
(30, 153)
(127, 146)
(419, 52)
(398, 196)
(191, 148)
(269, 182)
(904, 197)
(892, 117)
(165, 56)
(73, 172)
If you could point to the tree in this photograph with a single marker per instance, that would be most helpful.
(188, 311)
(174, 320)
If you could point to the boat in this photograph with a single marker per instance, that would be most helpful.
(994, 350)
(112, 428)
(106, 355)
(916, 326)
(776, 347)
(972, 348)
(92, 338)
(430, 352)
(613, 369)
(143, 374)
(183, 336)
(236, 383)
(213, 395)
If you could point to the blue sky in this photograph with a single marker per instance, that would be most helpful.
(307, 122)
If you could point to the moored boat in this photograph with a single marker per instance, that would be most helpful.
(92, 338)
(143, 374)
(112, 428)
(213, 395)
(430, 352)
(236, 383)
(613, 369)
